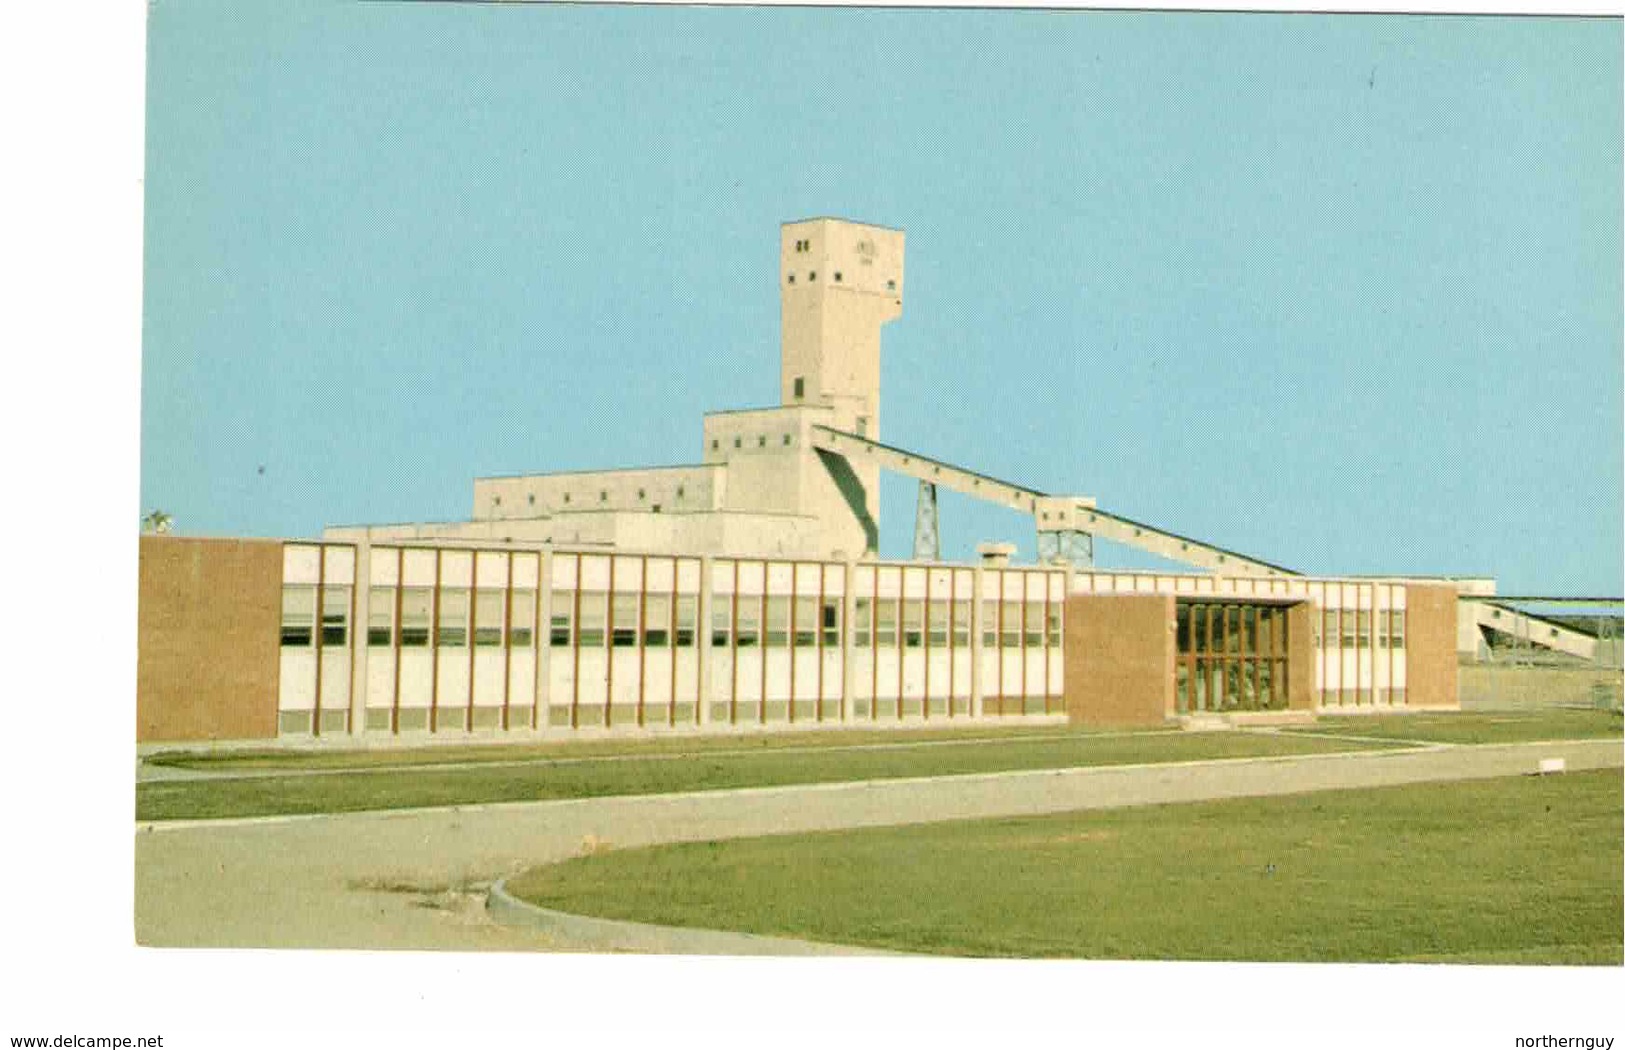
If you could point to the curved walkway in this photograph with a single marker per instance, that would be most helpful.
(418, 878)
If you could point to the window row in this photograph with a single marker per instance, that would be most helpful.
(915, 622)
(1351, 629)
(1230, 628)
(785, 440)
(659, 620)
(410, 617)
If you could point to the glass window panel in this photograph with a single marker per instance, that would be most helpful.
(913, 623)
(806, 632)
(594, 614)
(488, 617)
(748, 632)
(1348, 628)
(1233, 630)
(298, 615)
(990, 624)
(452, 630)
(1035, 625)
(721, 627)
(937, 624)
(1055, 625)
(961, 624)
(1182, 627)
(1010, 625)
(625, 626)
(558, 621)
(1363, 629)
(1249, 629)
(381, 616)
(832, 622)
(522, 619)
(886, 622)
(1216, 628)
(657, 620)
(778, 621)
(1199, 628)
(861, 626)
(688, 615)
(416, 606)
(335, 614)
(1266, 629)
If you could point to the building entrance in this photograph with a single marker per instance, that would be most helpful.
(1232, 656)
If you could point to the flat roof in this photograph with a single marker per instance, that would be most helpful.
(838, 218)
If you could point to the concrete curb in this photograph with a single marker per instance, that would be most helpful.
(588, 934)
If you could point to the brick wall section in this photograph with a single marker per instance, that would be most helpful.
(209, 635)
(1119, 652)
(1300, 656)
(1430, 645)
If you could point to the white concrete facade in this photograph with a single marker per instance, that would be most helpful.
(435, 639)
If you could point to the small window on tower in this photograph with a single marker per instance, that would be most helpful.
(837, 277)
(736, 442)
(603, 497)
(566, 497)
(713, 444)
(800, 387)
(812, 275)
(761, 441)
(792, 278)
(891, 286)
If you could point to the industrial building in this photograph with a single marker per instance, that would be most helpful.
(744, 591)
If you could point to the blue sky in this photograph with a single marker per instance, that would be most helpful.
(1340, 292)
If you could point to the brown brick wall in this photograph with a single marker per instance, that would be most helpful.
(1120, 659)
(1430, 645)
(1300, 656)
(209, 627)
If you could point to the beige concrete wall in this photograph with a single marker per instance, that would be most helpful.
(1430, 646)
(839, 283)
(739, 534)
(1120, 652)
(208, 631)
(672, 489)
(772, 467)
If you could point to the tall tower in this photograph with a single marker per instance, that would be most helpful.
(839, 282)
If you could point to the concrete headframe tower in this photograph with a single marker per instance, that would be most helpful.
(839, 283)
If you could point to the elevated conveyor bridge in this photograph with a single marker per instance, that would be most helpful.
(1066, 525)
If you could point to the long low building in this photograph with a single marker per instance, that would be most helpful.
(255, 639)
(744, 591)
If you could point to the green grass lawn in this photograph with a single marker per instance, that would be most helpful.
(694, 771)
(1475, 727)
(289, 759)
(1511, 871)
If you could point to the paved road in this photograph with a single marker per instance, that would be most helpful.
(416, 878)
